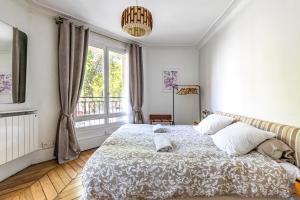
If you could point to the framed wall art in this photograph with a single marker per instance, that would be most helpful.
(170, 77)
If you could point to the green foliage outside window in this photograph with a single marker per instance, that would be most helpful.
(93, 85)
(115, 75)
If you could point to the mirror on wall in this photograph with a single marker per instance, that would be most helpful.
(13, 61)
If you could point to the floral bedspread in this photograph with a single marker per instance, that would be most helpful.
(127, 166)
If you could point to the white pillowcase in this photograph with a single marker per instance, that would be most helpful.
(239, 138)
(292, 171)
(213, 123)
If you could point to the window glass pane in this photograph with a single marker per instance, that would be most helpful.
(92, 101)
(116, 82)
(95, 107)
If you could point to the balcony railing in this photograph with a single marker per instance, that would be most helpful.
(96, 105)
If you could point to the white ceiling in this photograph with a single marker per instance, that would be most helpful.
(176, 22)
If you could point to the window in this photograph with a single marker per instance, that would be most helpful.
(102, 100)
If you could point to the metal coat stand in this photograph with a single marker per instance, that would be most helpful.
(199, 95)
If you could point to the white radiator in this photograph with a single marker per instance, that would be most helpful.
(18, 135)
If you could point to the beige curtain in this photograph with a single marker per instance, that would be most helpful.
(72, 52)
(136, 84)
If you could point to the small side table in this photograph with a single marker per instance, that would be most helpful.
(160, 118)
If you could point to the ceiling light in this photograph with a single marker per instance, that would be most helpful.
(137, 21)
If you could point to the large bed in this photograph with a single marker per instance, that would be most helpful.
(127, 166)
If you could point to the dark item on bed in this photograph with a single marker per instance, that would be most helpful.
(160, 118)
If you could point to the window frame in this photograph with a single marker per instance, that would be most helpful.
(107, 115)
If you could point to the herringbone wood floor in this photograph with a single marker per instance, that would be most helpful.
(49, 180)
(46, 180)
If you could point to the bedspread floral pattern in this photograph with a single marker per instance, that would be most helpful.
(127, 166)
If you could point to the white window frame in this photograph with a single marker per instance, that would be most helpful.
(106, 116)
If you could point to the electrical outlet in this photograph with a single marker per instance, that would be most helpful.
(47, 145)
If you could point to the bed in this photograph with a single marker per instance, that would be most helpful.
(127, 166)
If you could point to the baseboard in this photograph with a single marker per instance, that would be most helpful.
(93, 137)
(14, 166)
(91, 142)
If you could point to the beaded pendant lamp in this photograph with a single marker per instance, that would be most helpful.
(137, 21)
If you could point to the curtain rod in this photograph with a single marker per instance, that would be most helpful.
(60, 19)
(108, 36)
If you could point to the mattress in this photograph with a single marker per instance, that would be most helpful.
(127, 166)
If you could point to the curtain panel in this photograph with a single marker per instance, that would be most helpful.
(136, 83)
(72, 53)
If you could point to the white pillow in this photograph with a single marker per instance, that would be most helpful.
(239, 138)
(213, 123)
(292, 171)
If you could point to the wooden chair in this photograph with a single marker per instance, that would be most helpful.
(160, 118)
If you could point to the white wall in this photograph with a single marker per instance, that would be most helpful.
(158, 102)
(251, 66)
(5, 68)
(42, 79)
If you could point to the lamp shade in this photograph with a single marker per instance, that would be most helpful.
(137, 21)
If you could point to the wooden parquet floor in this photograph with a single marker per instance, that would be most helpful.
(49, 180)
(46, 181)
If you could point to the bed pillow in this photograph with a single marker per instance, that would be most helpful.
(277, 150)
(239, 138)
(291, 170)
(213, 123)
